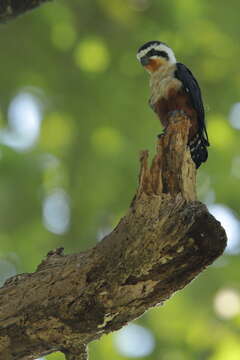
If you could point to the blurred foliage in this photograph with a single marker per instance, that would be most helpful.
(77, 59)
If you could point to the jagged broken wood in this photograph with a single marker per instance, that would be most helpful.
(166, 238)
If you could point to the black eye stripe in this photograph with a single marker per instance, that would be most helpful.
(151, 53)
(154, 52)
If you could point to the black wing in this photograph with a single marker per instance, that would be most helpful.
(191, 86)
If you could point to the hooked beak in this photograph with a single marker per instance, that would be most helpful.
(145, 60)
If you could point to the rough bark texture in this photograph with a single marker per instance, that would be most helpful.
(165, 240)
(10, 9)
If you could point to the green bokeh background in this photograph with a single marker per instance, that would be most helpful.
(77, 58)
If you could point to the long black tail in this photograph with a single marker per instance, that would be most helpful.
(198, 149)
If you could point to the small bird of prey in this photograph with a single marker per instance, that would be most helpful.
(174, 88)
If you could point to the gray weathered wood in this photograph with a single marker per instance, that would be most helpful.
(163, 242)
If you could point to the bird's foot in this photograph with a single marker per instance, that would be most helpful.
(162, 134)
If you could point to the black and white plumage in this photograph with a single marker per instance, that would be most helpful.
(173, 87)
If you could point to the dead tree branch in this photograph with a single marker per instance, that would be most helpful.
(165, 240)
(9, 9)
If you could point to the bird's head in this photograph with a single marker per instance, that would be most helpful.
(155, 54)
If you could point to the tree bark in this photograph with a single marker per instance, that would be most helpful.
(10, 9)
(164, 241)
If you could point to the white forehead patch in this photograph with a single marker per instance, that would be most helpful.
(158, 47)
